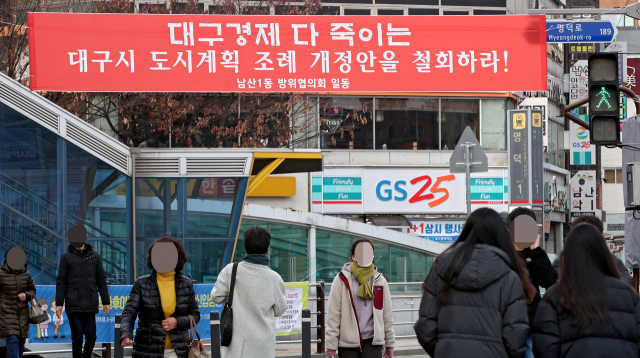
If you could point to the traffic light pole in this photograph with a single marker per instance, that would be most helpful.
(566, 111)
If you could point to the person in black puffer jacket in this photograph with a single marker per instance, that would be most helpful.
(80, 277)
(475, 296)
(541, 272)
(16, 290)
(160, 334)
(590, 312)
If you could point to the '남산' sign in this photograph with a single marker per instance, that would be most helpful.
(231, 53)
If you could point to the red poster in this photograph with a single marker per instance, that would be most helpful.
(325, 54)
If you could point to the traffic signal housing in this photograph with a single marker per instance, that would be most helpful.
(604, 99)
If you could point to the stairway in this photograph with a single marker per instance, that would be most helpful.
(31, 221)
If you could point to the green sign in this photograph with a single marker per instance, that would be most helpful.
(337, 190)
(488, 189)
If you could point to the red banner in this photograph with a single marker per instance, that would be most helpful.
(329, 54)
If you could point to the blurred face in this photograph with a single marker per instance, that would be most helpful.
(363, 254)
(164, 257)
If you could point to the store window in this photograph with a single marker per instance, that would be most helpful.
(157, 207)
(346, 123)
(406, 123)
(456, 115)
(494, 122)
(288, 254)
(209, 205)
(613, 176)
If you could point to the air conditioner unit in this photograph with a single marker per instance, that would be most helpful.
(633, 184)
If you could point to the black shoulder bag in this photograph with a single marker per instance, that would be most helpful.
(226, 319)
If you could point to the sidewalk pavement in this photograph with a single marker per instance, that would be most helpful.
(404, 347)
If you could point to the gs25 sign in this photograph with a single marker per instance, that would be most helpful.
(413, 191)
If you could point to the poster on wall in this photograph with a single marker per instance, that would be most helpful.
(236, 53)
(58, 331)
(583, 193)
(297, 294)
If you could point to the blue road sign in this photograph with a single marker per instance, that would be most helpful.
(563, 31)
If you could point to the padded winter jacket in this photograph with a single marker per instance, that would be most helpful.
(145, 305)
(80, 277)
(14, 314)
(554, 336)
(484, 315)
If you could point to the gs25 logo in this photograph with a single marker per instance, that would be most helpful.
(386, 194)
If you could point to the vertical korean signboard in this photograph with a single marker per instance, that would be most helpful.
(583, 190)
(537, 169)
(582, 153)
(519, 164)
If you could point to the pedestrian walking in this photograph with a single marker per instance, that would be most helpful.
(16, 291)
(360, 314)
(475, 296)
(258, 298)
(81, 277)
(162, 302)
(541, 271)
(595, 221)
(591, 312)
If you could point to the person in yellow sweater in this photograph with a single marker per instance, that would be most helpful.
(162, 302)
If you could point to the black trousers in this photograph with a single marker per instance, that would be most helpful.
(368, 351)
(82, 324)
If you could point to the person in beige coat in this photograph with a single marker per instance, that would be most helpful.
(360, 316)
(258, 298)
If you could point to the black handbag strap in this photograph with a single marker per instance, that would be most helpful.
(233, 284)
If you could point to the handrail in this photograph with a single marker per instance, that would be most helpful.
(31, 220)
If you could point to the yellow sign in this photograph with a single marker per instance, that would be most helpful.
(536, 119)
(519, 121)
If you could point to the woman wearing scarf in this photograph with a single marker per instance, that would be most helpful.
(360, 316)
(258, 298)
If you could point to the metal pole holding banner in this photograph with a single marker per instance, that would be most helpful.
(215, 334)
(306, 333)
(107, 349)
(320, 316)
(118, 350)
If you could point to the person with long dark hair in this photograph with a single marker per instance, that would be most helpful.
(591, 312)
(475, 297)
(595, 221)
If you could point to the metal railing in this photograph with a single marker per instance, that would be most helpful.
(306, 341)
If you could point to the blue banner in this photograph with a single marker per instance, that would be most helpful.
(58, 331)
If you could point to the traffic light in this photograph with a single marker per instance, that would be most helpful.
(604, 99)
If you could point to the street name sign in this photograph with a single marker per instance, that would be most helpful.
(564, 31)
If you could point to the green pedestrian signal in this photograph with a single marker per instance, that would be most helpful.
(604, 99)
